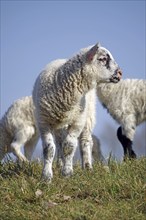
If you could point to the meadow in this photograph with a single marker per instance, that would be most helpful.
(117, 194)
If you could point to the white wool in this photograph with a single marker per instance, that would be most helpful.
(126, 103)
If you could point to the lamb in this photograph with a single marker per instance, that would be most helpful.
(126, 103)
(17, 128)
(61, 101)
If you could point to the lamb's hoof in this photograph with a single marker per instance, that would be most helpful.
(22, 162)
(47, 178)
(87, 166)
(133, 155)
(130, 157)
(67, 172)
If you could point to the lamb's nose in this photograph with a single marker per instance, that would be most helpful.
(119, 73)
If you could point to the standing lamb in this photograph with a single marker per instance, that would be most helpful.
(61, 100)
(17, 128)
(126, 102)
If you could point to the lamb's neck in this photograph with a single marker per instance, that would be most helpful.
(74, 79)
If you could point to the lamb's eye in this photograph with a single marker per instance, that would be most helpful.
(103, 59)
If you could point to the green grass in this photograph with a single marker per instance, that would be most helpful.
(119, 194)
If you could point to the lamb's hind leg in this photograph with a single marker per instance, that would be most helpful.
(126, 143)
(30, 146)
(86, 145)
(19, 140)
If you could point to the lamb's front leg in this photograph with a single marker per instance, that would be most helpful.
(49, 153)
(69, 146)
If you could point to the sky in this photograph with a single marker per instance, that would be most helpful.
(33, 33)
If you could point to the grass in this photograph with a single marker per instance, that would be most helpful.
(119, 194)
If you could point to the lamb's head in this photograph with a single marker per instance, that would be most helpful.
(103, 64)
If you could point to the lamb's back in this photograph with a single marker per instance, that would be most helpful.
(52, 95)
(124, 98)
(19, 115)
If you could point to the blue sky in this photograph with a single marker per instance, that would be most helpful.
(33, 33)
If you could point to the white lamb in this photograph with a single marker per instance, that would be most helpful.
(17, 128)
(61, 99)
(126, 103)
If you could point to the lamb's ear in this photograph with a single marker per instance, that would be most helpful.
(91, 53)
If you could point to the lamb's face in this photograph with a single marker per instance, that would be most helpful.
(104, 65)
(108, 69)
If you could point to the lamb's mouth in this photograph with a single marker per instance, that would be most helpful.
(116, 76)
(114, 79)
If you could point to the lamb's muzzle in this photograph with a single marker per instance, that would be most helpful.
(116, 76)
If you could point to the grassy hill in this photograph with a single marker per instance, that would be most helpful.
(119, 194)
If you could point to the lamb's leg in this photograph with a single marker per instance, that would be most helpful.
(20, 139)
(29, 147)
(69, 146)
(70, 143)
(59, 154)
(126, 143)
(58, 142)
(96, 151)
(86, 145)
(16, 150)
(49, 153)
